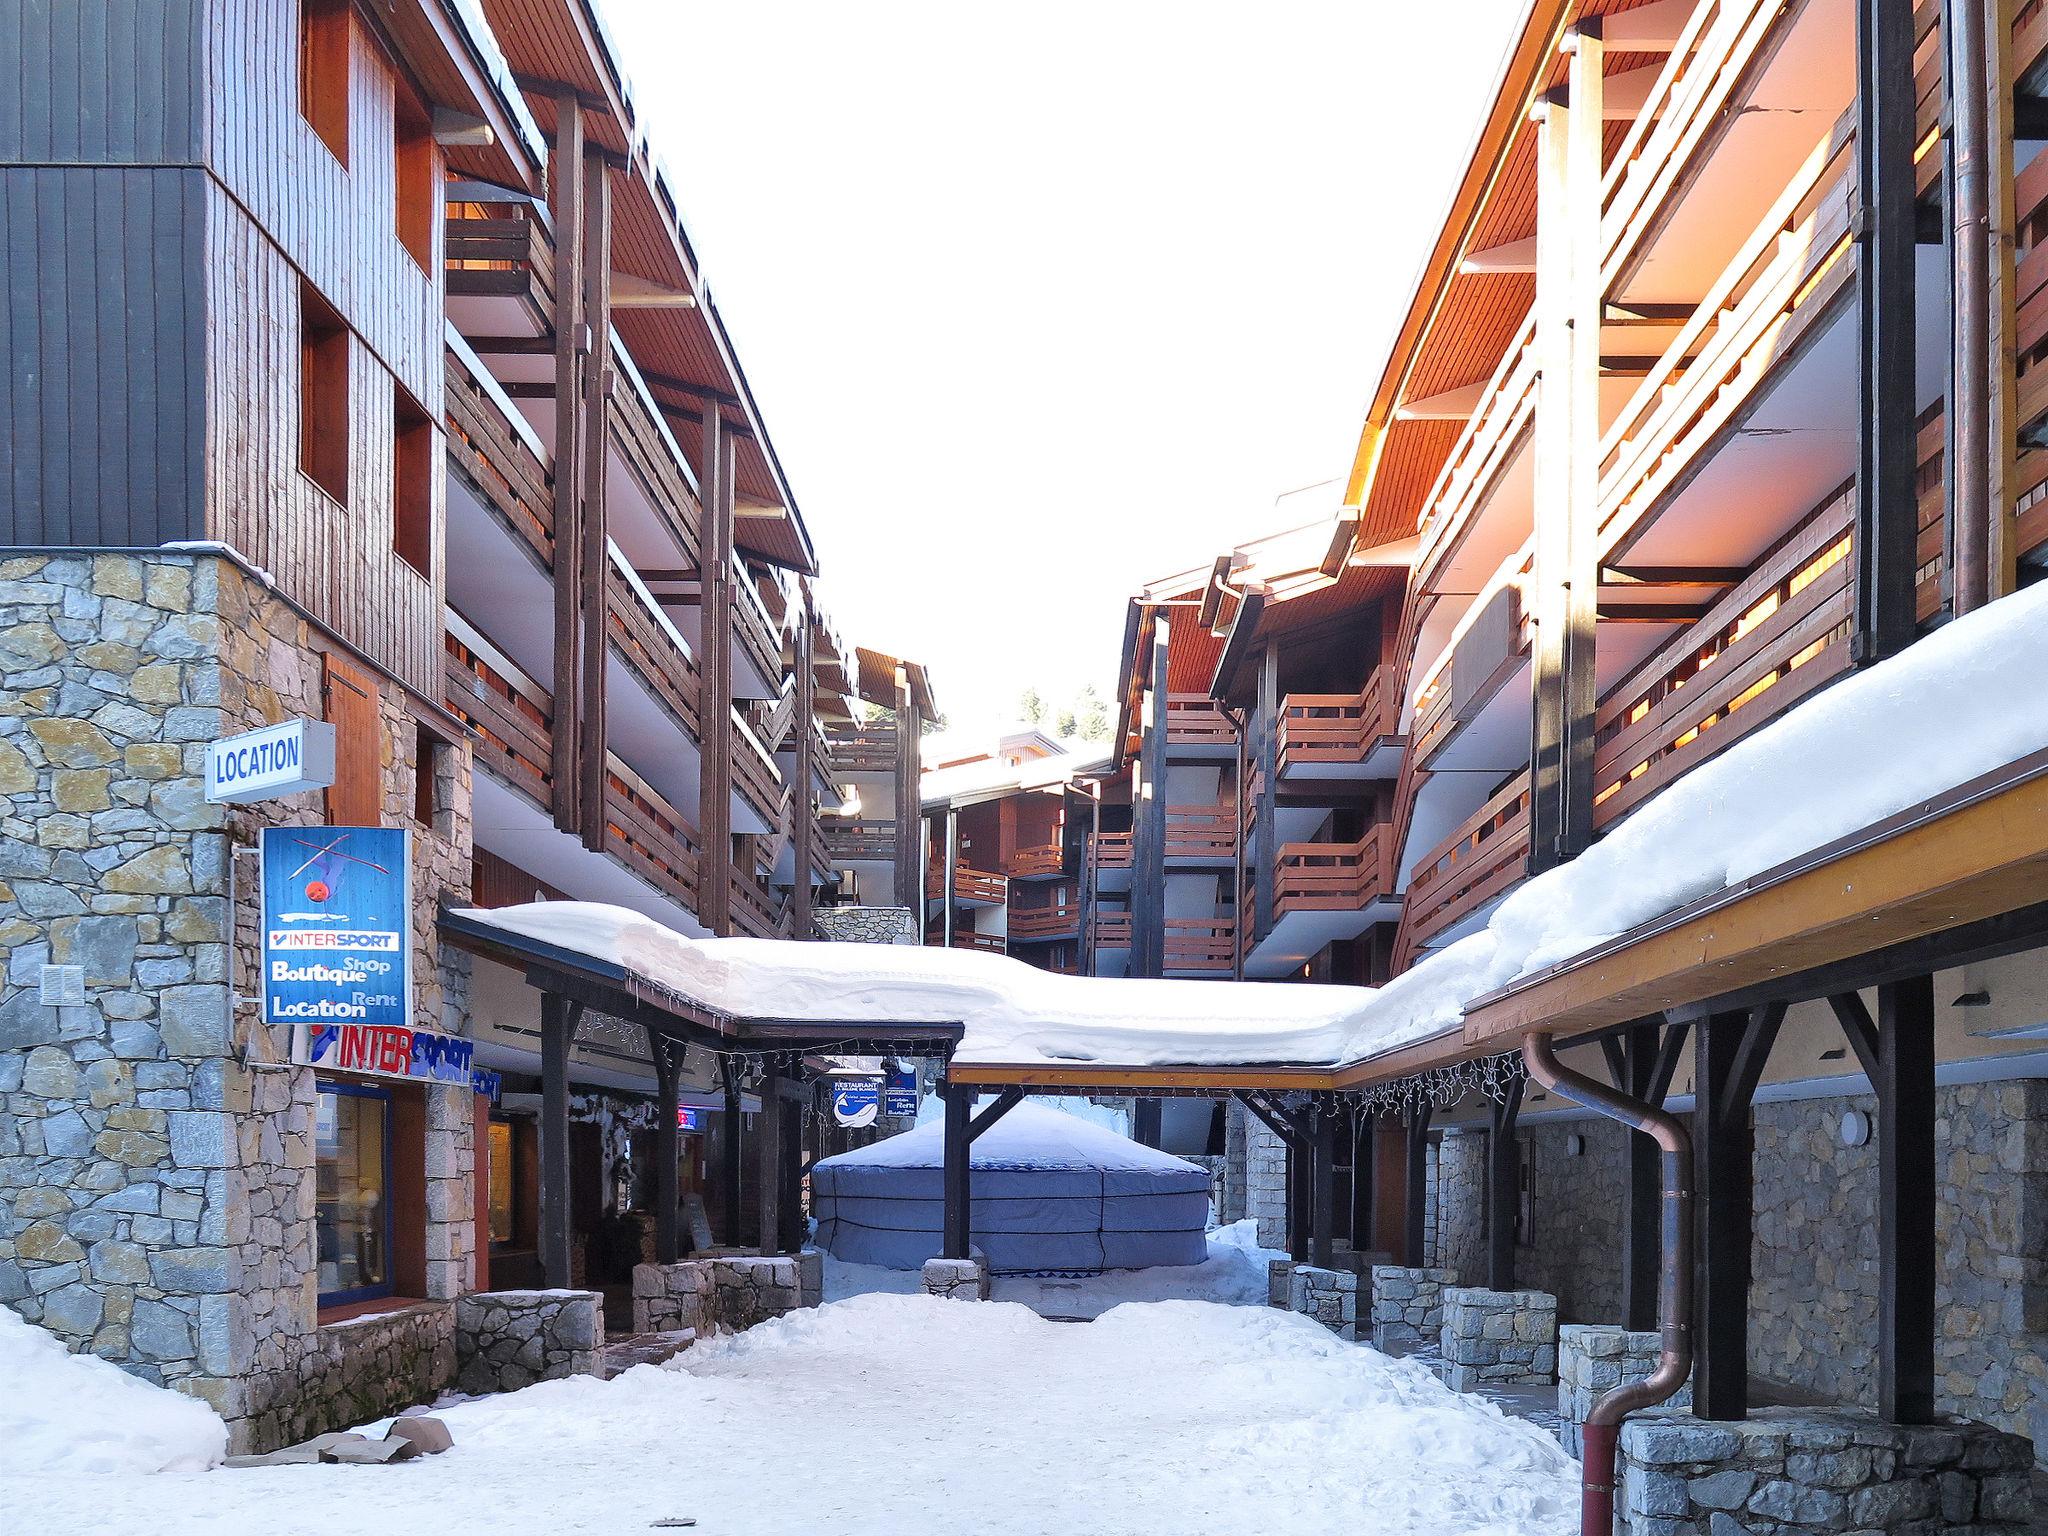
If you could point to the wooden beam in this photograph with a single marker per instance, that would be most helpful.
(1503, 1187)
(803, 793)
(1321, 1143)
(565, 192)
(1860, 1030)
(768, 1158)
(1714, 577)
(959, 1100)
(1724, 1175)
(1005, 1101)
(558, 1019)
(731, 1150)
(1417, 1195)
(1906, 1203)
(667, 1148)
(594, 561)
(714, 705)
(1363, 1156)
(1146, 1115)
(1650, 613)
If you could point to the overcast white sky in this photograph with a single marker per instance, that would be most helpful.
(1041, 302)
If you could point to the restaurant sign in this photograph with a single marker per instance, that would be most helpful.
(337, 934)
(856, 1100)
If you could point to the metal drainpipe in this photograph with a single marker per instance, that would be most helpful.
(1602, 1430)
(1969, 434)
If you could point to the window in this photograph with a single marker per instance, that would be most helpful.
(504, 1181)
(412, 147)
(412, 483)
(429, 760)
(323, 394)
(352, 1212)
(324, 43)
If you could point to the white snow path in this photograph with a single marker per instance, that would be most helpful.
(905, 1414)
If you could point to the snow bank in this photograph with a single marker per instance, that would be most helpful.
(63, 1414)
(1963, 702)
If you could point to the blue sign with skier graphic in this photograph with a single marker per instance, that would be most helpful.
(337, 927)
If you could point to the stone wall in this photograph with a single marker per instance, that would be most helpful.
(1813, 1304)
(1786, 1472)
(1498, 1336)
(867, 925)
(1265, 1182)
(1460, 1205)
(726, 1293)
(1593, 1361)
(370, 1368)
(956, 1279)
(1408, 1305)
(505, 1340)
(1230, 1203)
(156, 1195)
(1330, 1296)
(1572, 1246)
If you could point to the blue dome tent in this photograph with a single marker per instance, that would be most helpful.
(1052, 1194)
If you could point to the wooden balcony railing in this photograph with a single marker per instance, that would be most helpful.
(1193, 720)
(756, 911)
(1479, 861)
(967, 938)
(500, 250)
(1201, 831)
(754, 772)
(1111, 928)
(495, 457)
(648, 835)
(511, 715)
(968, 884)
(1059, 921)
(1026, 863)
(1484, 449)
(1331, 877)
(1112, 850)
(650, 451)
(753, 631)
(651, 646)
(849, 838)
(870, 749)
(1335, 727)
(1202, 944)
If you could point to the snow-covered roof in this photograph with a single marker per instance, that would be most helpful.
(1028, 1136)
(990, 776)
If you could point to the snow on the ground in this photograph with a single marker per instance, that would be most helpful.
(1962, 702)
(62, 1414)
(894, 1414)
(1234, 1274)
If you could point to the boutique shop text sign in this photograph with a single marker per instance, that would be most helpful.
(280, 759)
(337, 931)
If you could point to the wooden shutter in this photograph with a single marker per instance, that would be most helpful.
(349, 699)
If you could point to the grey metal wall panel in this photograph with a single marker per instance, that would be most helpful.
(101, 81)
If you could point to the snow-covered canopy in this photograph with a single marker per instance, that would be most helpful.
(1029, 1136)
(1964, 702)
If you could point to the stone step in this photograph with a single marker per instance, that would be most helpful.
(623, 1353)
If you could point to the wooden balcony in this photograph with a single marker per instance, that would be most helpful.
(511, 715)
(655, 651)
(1111, 928)
(648, 835)
(864, 839)
(754, 772)
(1332, 877)
(1324, 734)
(650, 451)
(1481, 860)
(1193, 720)
(1486, 448)
(870, 749)
(969, 885)
(1061, 920)
(756, 912)
(967, 938)
(1203, 832)
(754, 633)
(1037, 863)
(501, 250)
(1201, 945)
(1112, 850)
(495, 458)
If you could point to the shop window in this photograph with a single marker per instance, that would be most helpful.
(429, 763)
(323, 71)
(504, 1200)
(412, 173)
(412, 483)
(323, 394)
(353, 1210)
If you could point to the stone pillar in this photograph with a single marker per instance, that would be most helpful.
(1330, 1296)
(956, 1279)
(1498, 1336)
(505, 1340)
(451, 1190)
(1787, 1472)
(1591, 1362)
(1279, 1282)
(1265, 1182)
(1407, 1305)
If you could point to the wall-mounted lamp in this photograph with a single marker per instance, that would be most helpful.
(1575, 1145)
(1855, 1128)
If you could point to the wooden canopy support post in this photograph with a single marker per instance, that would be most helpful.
(667, 1146)
(1905, 1201)
(1887, 503)
(1320, 1140)
(1503, 1187)
(730, 1149)
(909, 818)
(1146, 1115)
(1568, 293)
(1414, 1244)
(1288, 1130)
(1262, 844)
(1729, 1053)
(768, 1155)
(1641, 1063)
(959, 1218)
(559, 1016)
(1966, 192)
(594, 562)
(791, 1235)
(1364, 1129)
(565, 191)
(714, 705)
(1148, 841)
(803, 795)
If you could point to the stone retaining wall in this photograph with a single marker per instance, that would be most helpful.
(1789, 1472)
(1408, 1305)
(727, 1293)
(956, 1279)
(1330, 1296)
(505, 1340)
(867, 925)
(1498, 1336)
(1593, 1361)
